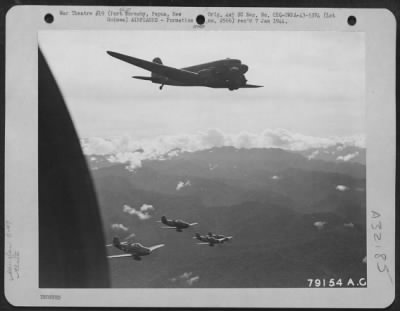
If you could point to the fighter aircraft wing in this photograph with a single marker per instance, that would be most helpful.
(227, 238)
(119, 256)
(169, 72)
(152, 248)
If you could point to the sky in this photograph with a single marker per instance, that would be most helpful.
(314, 82)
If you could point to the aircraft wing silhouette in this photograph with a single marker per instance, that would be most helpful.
(120, 256)
(250, 86)
(227, 238)
(169, 72)
(152, 248)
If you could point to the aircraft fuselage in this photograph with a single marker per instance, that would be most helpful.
(178, 224)
(135, 249)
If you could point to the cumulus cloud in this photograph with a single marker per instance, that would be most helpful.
(134, 152)
(185, 278)
(320, 224)
(347, 157)
(141, 213)
(119, 227)
(192, 280)
(182, 184)
(146, 207)
(342, 188)
(313, 154)
(212, 167)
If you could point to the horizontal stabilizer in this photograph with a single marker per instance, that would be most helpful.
(142, 78)
(252, 86)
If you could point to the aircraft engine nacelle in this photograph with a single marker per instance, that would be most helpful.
(243, 68)
(237, 78)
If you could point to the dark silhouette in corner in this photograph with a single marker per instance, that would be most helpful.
(71, 240)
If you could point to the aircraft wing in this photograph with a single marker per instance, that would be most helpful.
(193, 224)
(252, 86)
(152, 248)
(169, 72)
(120, 256)
(227, 238)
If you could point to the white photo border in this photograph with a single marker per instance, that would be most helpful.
(21, 119)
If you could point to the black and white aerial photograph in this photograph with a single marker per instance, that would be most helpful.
(215, 159)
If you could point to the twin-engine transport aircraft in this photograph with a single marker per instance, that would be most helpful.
(134, 250)
(226, 73)
(210, 240)
(178, 224)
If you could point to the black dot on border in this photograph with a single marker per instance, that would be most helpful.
(200, 19)
(49, 18)
(351, 20)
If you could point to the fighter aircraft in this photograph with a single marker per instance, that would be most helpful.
(134, 250)
(226, 73)
(178, 224)
(221, 237)
(210, 240)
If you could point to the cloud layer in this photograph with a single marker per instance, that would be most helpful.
(127, 150)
